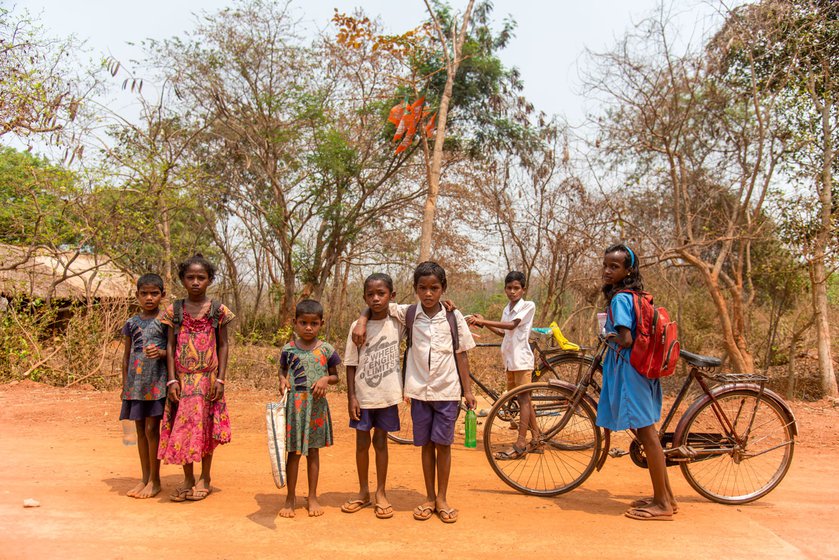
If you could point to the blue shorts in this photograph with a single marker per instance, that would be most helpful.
(386, 419)
(434, 421)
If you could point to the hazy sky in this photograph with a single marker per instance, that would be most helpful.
(548, 48)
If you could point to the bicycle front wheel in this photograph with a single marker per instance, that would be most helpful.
(732, 468)
(552, 465)
(405, 435)
(566, 367)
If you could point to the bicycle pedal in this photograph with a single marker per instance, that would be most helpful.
(681, 452)
(616, 452)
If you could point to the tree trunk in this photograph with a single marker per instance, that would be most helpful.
(452, 64)
(791, 370)
(817, 269)
(741, 359)
(289, 299)
(166, 237)
(818, 279)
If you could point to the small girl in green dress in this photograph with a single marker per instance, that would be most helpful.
(312, 365)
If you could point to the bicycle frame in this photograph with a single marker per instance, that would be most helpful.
(731, 418)
(541, 363)
(696, 374)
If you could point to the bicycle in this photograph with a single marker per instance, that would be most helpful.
(733, 444)
(560, 362)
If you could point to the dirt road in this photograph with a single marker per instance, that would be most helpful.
(64, 448)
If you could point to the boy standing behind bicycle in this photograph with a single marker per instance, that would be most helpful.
(515, 324)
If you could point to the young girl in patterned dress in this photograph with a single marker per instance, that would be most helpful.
(307, 366)
(196, 419)
(144, 380)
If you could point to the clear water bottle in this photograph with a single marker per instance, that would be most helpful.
(129, 434)
(471, 429)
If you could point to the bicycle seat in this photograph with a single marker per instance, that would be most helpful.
(699, 360)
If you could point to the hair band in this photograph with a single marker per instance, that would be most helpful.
(631, 256)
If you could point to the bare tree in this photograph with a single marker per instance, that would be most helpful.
(799, 41)
(453, 53)
(702, 137)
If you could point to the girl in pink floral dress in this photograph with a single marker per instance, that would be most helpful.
(195, 421)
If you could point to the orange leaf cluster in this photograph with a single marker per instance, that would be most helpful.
(408, 118)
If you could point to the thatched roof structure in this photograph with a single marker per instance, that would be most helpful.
(41, 273)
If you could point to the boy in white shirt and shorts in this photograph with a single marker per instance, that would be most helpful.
(374, 389)
(515, 324)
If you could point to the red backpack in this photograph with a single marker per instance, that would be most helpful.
(655, 350)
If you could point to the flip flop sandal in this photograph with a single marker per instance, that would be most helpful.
(537, 448)
(646, 502)
(180, 494)
(510, 454)
(450, 515)
(423, 513)
(383, 512)
(352, 506)
(199, 494)
(644, 514)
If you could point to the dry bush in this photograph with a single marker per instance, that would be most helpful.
(26, 347)
(253, 366)
(90, 352)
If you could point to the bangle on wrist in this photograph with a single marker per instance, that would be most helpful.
(220, 381)
(171, 382)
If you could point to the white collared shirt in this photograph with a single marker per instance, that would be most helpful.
(515, 348)
(430, 371)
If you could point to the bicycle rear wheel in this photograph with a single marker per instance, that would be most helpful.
(405, 435)
(560, 463)
(566, 367)
(726, 469)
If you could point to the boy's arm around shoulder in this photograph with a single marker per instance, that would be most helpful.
(465, 341)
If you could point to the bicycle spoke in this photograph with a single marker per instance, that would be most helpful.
(726, 469)
(563, 461)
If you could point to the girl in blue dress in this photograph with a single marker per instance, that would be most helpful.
(628, 400)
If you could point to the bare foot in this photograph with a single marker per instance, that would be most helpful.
(314, 507)
(151, 490)
(136, 490)
(287, 510)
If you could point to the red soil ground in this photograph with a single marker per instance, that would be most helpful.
(64, 448)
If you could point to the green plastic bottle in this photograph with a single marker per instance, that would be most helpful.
(471, 429)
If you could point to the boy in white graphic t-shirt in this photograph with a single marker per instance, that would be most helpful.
(516, 322)
(374, 389)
